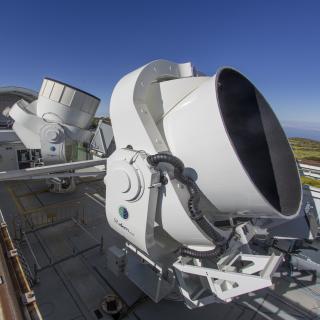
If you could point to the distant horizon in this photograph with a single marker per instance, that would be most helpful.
(292, 128)
(301, 129)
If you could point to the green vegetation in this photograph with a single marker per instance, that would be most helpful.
(306, 150)
(310, 181)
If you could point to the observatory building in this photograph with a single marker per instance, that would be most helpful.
(13, 154)
(9, 96)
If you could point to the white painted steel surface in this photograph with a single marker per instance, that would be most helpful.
(54, 123)
(168, 108)
(195, 132)
(61, 103)
(231, 144)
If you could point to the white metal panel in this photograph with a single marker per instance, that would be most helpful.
(78, 100)
(53, 111)
(208, 150)
(30, 139)
(87, 104)
(56, 91)
(43, 86)
(48, 88)
(308, 166)
(67, 96)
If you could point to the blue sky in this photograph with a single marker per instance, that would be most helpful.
(92, 44)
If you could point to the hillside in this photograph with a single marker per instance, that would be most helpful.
(306, 150)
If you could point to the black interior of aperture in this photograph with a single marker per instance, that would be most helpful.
(258, 140)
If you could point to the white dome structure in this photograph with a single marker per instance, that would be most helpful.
(10, 95)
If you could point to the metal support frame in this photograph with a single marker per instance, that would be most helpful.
(46, 170)
(230, 280)
(152, 278)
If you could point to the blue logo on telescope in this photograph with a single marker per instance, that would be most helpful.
(123, 212)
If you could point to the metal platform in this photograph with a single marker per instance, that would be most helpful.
(64, 240)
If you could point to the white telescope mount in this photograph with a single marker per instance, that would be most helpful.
(166, 190)
(55, 124)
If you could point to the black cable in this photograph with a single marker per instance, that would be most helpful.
(214, 253)
(193, 207)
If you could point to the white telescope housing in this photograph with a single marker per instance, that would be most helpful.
(226, 132)
(202, 166)
(61, 103)
(58, 119)
(223, 130)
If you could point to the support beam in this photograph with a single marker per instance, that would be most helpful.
(61, 167)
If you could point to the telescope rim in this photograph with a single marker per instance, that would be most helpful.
(297, 178)
(72, 87)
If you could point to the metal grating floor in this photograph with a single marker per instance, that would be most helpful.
(73, 277)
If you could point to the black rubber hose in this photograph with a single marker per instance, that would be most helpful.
(193, 207)
(168, 158)
(194, 200)
(210, 231)
(214, 253)
(178, 165)
(218, 240)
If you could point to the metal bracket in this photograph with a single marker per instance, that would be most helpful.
(28, 297)
(12, 253)
(243, 274)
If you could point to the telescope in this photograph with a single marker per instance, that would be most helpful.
(202, 167)
(55, 124)
(60, 117)
(201, 172)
